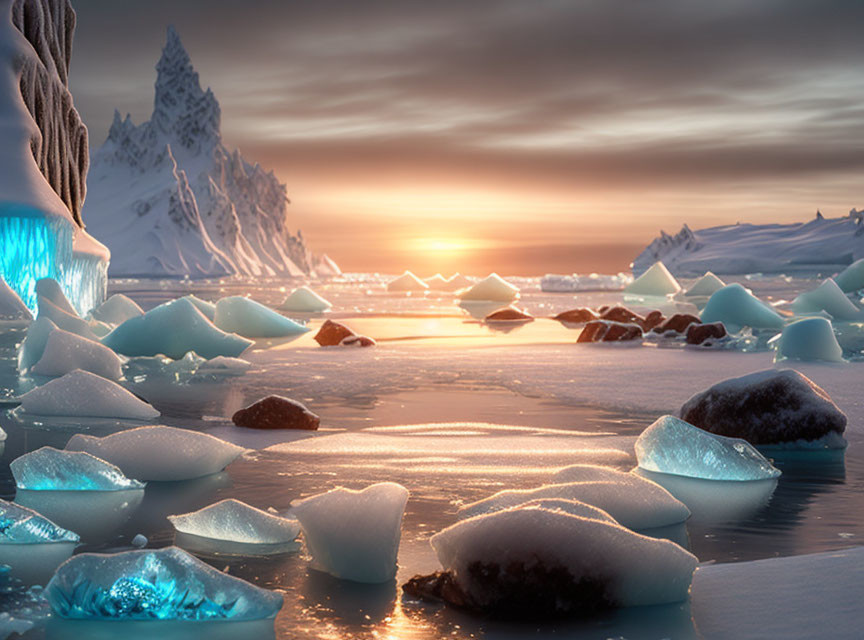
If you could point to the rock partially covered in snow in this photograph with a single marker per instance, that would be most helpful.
(607, 331)
(174, 329)
(676, 447)
(736, 307)
(828, 297)
(304, 300)
(357, 341)
(766, 408)
(276, 412)
(116, 310)
(354, 535)
(656, 281)
(332, 334)
(164, 584)
(159, 453)
(705, 333)
(534, 563)
(509, 314)
(407, 282)
(11, 305)
(809, 339)
(65, 352)
(492, 288)
(852, 277)
(705, 286)
(83, 394)
(679, 323)
(576, 316)
(49, 469)
(251, 319)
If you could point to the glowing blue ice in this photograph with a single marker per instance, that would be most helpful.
(251, 319)
(808, 339)
(673, 446)
(736, 307)
(167, 584)
(19, 525)
(49, 469)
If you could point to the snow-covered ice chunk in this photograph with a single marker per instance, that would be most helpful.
(174, 329)
(231, 525)
(736, 307)
(32, 545)
(251, 319)
(205, 307)
(49, 288)
(457, 281)
(599, 473)
(657, 281)
(705, 286)
(64, 352)
(116, 310)
(852, 277)
(50, 469)
(572, 507)
(160, 453)
(634, 502)
(164, 584)
(407, 282)
(437, 282)
(64, 320)
(84, 394)
(34, 343)
(673, 446)
(11, 305)
(492, 288)
(304, 300)
(828, 297)
(808, 339)
(354, 535)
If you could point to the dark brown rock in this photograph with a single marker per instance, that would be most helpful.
(699, 333)
(276, 412)
(332, 333)
(653, 319)
(678, 323)
(358, 341)
(622, 314)
(576, 316)
(508, 314)
(607, 331)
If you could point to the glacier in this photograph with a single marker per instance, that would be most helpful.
(50, 469)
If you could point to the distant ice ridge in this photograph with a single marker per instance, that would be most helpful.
(171, 200)
(555, 283)
(821, 245)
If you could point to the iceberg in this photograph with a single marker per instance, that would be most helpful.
(736, 307)
(49, 469)
(706, 286)
(12, 308)
(116, 310)
(492, 288)
(32, 545)
(852, 277)
(66, 321)
(33, 346)
(437, 283)
(159, 453)
(673, 446)
(407, 282)
(173, 329)
(65, 352)
(251, 319)
(457, 282)
(656, 281)
(597, 473)
(354, 535)
(808, 339)
(83, 394)
(235, 528)
(166, 584)
(828, 297)
(304, 300)
(205, 307)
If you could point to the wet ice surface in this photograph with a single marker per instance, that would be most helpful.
(503, 394)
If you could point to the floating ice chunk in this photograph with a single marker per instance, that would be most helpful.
(165, 584)
(160, 453)
(174, 329)
(634, 502)
(224, 366)
(736, 307)
(251, 319)
(64, 352)
(808, 339)
(50, 469)
(139, 541)
(597, 473)
(116, 310)
(437, 283)
(852, 277)
(534, 563)
(457, 281)
(231, 525)
(100, 329)
(34, 343)
(828, 297)
(205, 307)
(80, 393)
(407, 282)
(49, 288)
(63, 320)
(492, 288)
(705, 286)
(572, 507)
(304, 300)
(32, 545)
(354, 535)
(11, 305)
(657, 281)
(676, 447)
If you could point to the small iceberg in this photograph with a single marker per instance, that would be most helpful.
(437, 283)
(251, 319)
(167, 584)
(49, 289)
(33, 346)
(354, 535)
(159, 453)
(12, 308)
(116, 310)
(673, 446)
(657, 281)
(50, 469)
(736, 308)
(234, 528)
(810, 339)
(304, 300)
(492, 288)
(205, 307)
(706, 286)
(65, 352)
(64, 320)
(852, 277)
(457, 281)
(32, 545)
(407, 282)
(828, 297)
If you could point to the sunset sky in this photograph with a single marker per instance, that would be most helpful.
(523, 136)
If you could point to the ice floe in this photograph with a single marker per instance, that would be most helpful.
(808, 339)
(116, 310)
(32, 545)
(50, 469)
(65, 352)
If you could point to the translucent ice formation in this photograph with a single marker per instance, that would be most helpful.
(676, 447)
(207, 308)
(736, 307)
(116, 310)
(166, 584)
(232, 526)
(64, 352)
(251, 319)
(705, 286)
(11, 305)
(304, 300)
(634, 502)
(407, 282)
(354, 535)
(80, 393)
(34, 343)
(852, 277)
(160, 453)
(32, 545)
(657, 281)
(492, 288)
(173, 329)
(808, 339)
(828, 297)
(49, 469)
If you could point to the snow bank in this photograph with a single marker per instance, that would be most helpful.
(83, 394)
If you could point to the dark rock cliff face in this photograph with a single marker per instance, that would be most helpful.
(60, 148)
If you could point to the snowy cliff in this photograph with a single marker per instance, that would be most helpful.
(821, 245)
(170, 199)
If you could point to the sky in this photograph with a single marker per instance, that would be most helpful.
(522, 136)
